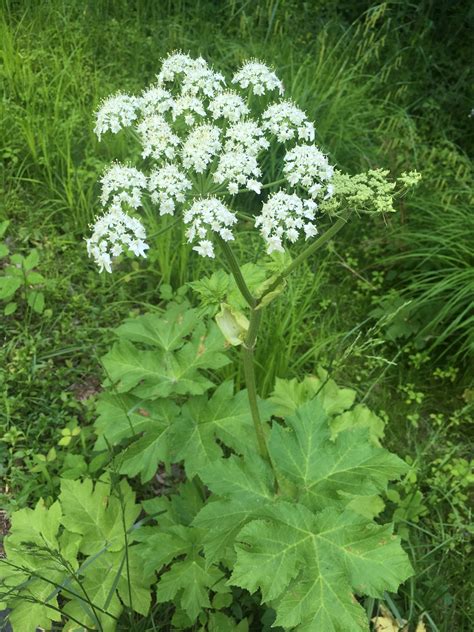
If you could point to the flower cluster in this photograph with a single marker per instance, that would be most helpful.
(286, 216)
(205, 216)
(307, 166)
(258, 77)
(285, 120)
(114, 233)
(201, 140)
(168, 185)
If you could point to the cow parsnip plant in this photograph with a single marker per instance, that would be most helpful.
(281, 495)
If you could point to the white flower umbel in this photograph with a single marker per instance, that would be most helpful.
(188, 106)
(245, 136)
(122, 185)
(167, 186)
(258, 77)
(239, 169)
(307, 166)
(155, 100)
(228, 105)
(207, 216)
(197, 77)
(286, 216)
(284, 120)
(114, 233)
(116, 112)
(200, 147)
(157, 138)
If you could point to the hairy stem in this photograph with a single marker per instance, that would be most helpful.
(236, 273)
(249, 373)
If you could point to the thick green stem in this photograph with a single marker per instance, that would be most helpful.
(249, 372)
(236, 273)
(307, 252)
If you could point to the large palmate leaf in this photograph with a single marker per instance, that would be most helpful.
(174, 348)
(224, 416)
(72, 560)
(309, 544)
(326, 471)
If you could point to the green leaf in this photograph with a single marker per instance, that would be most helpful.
(36, 301)
(224, 416)
(359, 417)
(124, 416)
(8, 286)
(31, 260)
(158, 546)
(188, 583)
(34, 277)
(143, 456)
(3, 227)
(288, 395)
(10, 308)
(96, 514)
(3, 250)
(325, 472)
(322, 560)
(166, 331)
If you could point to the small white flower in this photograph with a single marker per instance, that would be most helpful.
(205, 216)
(114, 233)
(167, 186)
(122, 185)
(157, 137)
(155, 100)
(195, 75)
(245, 136)
(201, 145)
(285, 120)
(307, 166)
(285, 216)
(116, 112)
(228, 105)
(188, 106)
(258, 77)
(239, 169)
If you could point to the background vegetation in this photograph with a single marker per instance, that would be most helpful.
(388, 308)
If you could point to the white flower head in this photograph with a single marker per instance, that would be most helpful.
(195, 75)
(188, 106)
(207, 216)
(155, 100)
(259, 77)
(116, 112)
(245, 136)
(285, 120)
(114, 233)
(239, 169)
(167, 186)
(307, 166)
(157, 137)
(286, 216)
(122, 185)
(228, 105)
(200, 147)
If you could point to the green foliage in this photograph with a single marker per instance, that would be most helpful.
(20, 277)
(72, 562)
(305, 546)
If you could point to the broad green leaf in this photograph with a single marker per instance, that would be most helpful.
(245, 488)
(188, 583)
(35, 300)
(122, 416)
(359, 417)
(224, 416)
(33, 278)
(3, 250)
(3, 226)
(96, 514)
(10, 308)
(325, 472)
(31, 260)
(289, 395)
(143, 456)
(8, 286)
(158, 546)
(179, 508)
(308, 566)
(166, 331)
